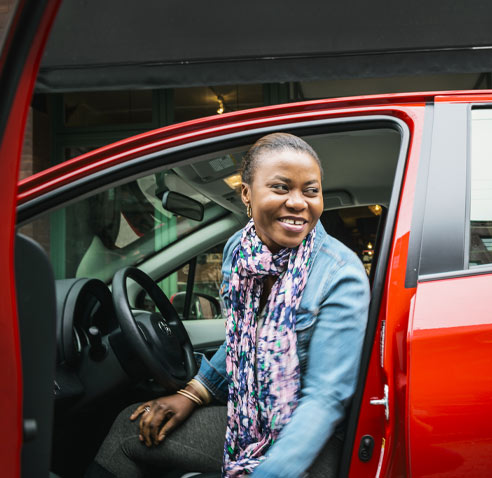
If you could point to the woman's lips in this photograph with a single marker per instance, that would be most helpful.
(291, 225)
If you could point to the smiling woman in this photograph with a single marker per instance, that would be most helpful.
(292, 348)
(282, 186)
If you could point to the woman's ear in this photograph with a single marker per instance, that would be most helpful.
(245, 194)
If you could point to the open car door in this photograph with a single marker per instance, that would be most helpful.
(24, 37)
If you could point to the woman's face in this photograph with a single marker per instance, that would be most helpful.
(285, 197)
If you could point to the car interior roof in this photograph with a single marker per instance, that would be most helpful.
(359, 167)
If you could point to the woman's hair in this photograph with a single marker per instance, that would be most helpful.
(274, 142)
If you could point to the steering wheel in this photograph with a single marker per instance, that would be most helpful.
(159, 339)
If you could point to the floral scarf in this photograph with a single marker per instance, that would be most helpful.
(264, 378)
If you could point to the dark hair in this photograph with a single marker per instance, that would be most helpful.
(274, 142)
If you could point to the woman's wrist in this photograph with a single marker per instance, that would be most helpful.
(199, 389)
(190, 395)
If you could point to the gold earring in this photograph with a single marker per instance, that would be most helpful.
(248, 210)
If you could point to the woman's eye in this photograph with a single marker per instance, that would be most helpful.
(280, 187)
(312, 191)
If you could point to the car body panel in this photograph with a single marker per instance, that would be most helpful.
(450, 381)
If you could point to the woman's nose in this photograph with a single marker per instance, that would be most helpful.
(296, 201)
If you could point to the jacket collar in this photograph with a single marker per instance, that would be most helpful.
(319, 239)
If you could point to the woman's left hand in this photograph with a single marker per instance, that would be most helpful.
(160, 416)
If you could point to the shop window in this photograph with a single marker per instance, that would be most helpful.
(103, 108)
(191, 103)
(7, 9)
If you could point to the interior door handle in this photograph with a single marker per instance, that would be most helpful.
(383, 401)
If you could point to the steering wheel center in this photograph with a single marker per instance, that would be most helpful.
(159, 339)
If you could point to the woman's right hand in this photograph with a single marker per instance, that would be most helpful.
(160, 416)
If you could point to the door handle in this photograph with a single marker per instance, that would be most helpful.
(383, 401)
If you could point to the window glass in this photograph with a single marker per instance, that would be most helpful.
(191, 103)
(481, 188)
(97, 108)
(357, 228)
(204, 302)
(121, 226)
(7, 9)
(125, 225)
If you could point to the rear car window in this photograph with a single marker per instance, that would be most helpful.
(480, 252)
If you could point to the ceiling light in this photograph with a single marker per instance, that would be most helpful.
(376, 209)
(233, 181)
(220, 109)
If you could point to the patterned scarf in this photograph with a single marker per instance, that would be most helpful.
(264, 383)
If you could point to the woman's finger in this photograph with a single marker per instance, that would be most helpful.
(150, 424)
(161, 415)
(140, 409)
(136, 412)
(168, 427)
(144, 428)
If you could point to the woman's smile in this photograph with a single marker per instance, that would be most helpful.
(285, 197)
(293, 224)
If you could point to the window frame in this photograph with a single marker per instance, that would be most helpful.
(431, 233)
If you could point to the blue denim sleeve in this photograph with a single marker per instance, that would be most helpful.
(331, 376)
(212, 374)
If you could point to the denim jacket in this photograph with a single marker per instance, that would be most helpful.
(330, 326)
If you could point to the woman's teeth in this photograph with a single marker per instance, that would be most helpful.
(292, 221)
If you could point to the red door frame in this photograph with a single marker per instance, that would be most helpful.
(19, 65)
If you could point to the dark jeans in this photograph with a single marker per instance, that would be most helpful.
(197, 445)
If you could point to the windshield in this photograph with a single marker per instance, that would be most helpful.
(121, 226)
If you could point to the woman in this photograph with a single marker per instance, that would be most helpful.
(296, 301)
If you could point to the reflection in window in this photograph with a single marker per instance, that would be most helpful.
(121, 226)
(481, 189)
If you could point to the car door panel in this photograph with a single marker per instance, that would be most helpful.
(19, 63)
(383, 361)
(206, 335)
(450, 381)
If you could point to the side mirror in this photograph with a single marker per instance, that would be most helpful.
(183, 205)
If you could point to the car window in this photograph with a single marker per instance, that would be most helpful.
(121, 226)
(127, 225)
(481, 188)
(202, 275)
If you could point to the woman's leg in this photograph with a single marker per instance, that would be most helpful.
(197, 445)
(326, 464)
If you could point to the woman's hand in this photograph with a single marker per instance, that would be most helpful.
(160, 416)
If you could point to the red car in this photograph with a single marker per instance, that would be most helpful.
(408, 185)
